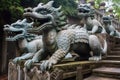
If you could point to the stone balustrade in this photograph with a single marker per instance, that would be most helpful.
(64, 70)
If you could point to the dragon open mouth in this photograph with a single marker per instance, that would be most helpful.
(12, 35)
(81, 10)
(84, 10)
(44, 16)
(106, 19)
(39, 21)
(17, 30)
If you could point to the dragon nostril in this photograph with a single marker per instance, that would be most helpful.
(28, 9)
(6, 26)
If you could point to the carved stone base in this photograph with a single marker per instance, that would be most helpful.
(12, 72)
(57, 72)
(35, 74)
(16, 72)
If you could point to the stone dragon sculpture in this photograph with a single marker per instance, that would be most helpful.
(27, 44)
(107, 21)
(56, 42)
(86, 14)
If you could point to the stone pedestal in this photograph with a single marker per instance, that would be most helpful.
(16, 72)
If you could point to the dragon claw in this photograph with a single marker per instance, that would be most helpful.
(95, 58)
(46, 65)
(28, 64)
(17, 59)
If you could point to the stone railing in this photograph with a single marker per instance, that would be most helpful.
(58, 72)
(110, 39)
(63, 70)
(99, 15)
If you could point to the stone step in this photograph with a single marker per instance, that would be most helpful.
(108, 63)
(107, 72)
(117, 45)
(114, 53)
(112, 57)
(99, 78)
(116, 49)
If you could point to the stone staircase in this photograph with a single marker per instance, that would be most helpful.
(109, 68)
(115, 53)
(106, 69)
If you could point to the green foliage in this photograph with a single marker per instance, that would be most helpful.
(30, 3)
(68, 6)
(97, 2)
(16, 12)
(11, 7)
(116, 7)
(5, 4)
(15, 8)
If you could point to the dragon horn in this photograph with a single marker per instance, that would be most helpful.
(18, 21)
(31, 23)
(88, 4)
(40, 4)
(24, 20)
(49, 4)
(60, 13)
(57, 9)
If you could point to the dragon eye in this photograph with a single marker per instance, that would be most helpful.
(43, 11)
(18, 26)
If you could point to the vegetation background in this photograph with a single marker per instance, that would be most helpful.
(11, 10)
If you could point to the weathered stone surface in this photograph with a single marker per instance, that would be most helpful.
(99, 78)
(111, 72)
(108, 70)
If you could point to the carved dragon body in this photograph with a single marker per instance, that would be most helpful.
(86, 14)
(58, 43)
(109, 27)
(28, 44)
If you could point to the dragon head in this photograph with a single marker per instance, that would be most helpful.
(85, 10)
(17, 30)
(45, 16)
(107, 19)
